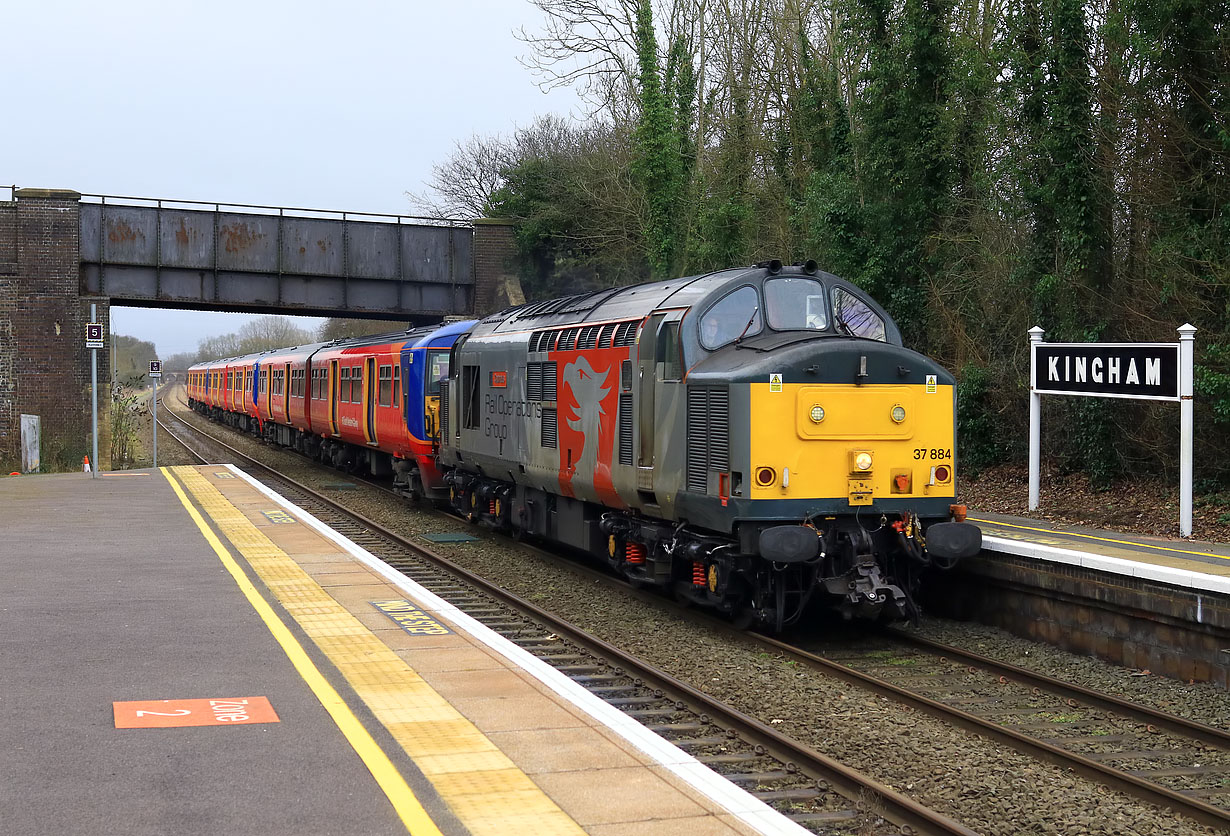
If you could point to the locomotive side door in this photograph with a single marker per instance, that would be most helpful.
(659, 370)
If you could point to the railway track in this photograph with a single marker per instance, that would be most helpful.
(813, 790)
(1157, 757)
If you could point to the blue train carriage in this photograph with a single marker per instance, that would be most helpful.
(754, 440)
(424, 368)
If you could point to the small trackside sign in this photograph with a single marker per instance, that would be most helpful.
(155, 368)
(499, 380)
(93, 335)
(775, 382)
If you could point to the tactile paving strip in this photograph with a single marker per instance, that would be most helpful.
(487, 792)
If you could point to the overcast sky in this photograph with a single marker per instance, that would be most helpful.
(328, 105)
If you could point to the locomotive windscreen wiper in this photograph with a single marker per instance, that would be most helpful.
(840, 323)
(750, 320)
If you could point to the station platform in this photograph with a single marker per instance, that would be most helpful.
(1191, 564)
(187, 652)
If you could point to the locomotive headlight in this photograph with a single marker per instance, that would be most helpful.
(817, 413)
(898, 413)
(862, 460)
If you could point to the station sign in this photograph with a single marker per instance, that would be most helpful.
(1147, 371)
(93, 335)
(155, 368)
(1141, 371)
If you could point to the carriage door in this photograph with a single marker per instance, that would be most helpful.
(286, 392)
(369, 400)
(333, 396)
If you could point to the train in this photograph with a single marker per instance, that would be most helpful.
(754, 440)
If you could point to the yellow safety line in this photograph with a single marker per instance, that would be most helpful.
(407, 805)
(485, 790)
(1102, 539)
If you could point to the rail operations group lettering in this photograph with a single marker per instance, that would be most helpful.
(501, 408)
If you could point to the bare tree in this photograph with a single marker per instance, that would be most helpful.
(461, 186)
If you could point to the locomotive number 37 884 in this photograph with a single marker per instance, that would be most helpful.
(932, 453)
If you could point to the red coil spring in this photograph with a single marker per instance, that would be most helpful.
(491, 507)
(698, 573)
(634, 553)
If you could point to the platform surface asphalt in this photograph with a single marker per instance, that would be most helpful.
(109, 594)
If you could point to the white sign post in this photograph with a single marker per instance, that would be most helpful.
(155, 372)
(1141, 371)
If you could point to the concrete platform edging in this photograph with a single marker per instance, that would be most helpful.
(1102, 563)
(736, 801)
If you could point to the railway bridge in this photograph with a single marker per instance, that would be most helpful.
(61, 251)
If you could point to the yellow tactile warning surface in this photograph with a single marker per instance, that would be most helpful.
(486, 791)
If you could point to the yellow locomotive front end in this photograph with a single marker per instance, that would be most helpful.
(851, 445)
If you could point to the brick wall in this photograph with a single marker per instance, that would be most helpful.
(44, 365)
(495, 253)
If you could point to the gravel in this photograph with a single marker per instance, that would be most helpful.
(991, 789)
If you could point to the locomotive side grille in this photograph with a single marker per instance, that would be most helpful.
(604, 337)
(697, 443)
(535, 338)
(719, 430)
(550, 429)
(589, 337)
(533, 381)
(626, 335)
(444, 411)
(625, 428)
(625, 375)
(708, 436)
(549, 380)
(568, 341)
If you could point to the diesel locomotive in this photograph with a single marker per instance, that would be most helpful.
(756, 440)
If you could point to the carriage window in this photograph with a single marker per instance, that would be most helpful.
(356, 384)
(386, 386)
(853, 317)
(795, 304)
(344, 380)
(736, 314)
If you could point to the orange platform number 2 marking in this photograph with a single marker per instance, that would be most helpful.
(162, 714)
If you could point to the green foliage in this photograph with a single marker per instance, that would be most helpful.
(125, 424)
(980, 169)
(980, 435)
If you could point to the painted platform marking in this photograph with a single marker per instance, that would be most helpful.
(165, 714)
(279, 517)
(221, 474)
(410, 618)
(488, 793)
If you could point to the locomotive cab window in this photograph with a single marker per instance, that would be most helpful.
(855, 318)
(437, 370)
(735, 314)
(469, 397)
(667, 353)
(795, 304)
